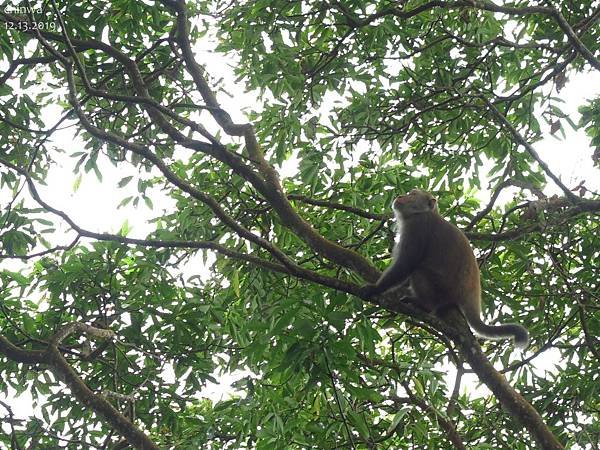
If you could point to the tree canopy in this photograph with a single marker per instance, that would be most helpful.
(267, 219)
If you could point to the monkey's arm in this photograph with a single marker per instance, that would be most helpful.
(406, 257)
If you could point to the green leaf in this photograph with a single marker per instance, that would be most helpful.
(124, 181)
(125, 228)
(235, 282)
(77, 183)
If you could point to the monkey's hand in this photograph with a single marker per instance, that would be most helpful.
(368, 291)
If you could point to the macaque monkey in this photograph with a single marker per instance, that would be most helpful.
(440, 263)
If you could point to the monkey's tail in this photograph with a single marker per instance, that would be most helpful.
(507, 330)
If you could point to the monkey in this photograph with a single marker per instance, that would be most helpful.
(437, 259)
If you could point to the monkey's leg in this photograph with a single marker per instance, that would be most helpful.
(424, 292)
(417, 303)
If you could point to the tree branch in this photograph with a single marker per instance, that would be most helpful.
(446, 424)
(508, 397)
(501, 118)
(52, 357)
(269, 187)
(290, 268)
(272, 190)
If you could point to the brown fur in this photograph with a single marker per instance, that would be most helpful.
(437, 258)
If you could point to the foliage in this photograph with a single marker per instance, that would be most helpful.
(352, 103)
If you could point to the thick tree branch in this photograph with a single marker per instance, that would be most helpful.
(19, 355)
(54, 249)
(14, 65)
(273, 190)
(53, 358)
(508, 397)
(81, 328)
(454, 326)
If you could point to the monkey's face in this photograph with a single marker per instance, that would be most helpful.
(415, 202)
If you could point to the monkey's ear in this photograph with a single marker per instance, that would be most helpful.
(432, 203)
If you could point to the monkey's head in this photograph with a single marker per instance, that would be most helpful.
(415, 202)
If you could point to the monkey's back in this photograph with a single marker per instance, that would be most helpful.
(448, 272)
